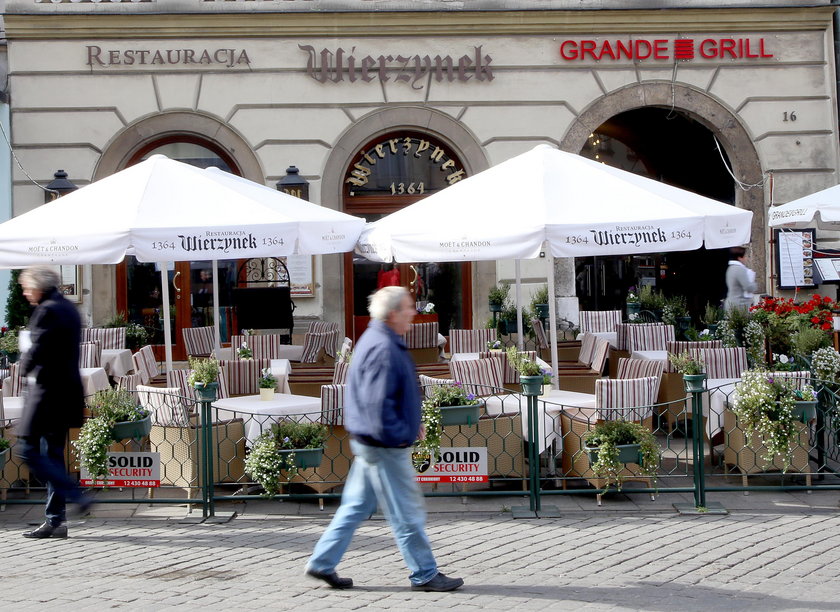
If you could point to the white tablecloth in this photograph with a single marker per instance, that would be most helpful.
(93, 380)
(260, 414)
(12, 408)
(651, 356)
(720, 394)
(611, 337)
(117, 362)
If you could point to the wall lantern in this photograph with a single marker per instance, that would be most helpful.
(294, 184)
(58, 187)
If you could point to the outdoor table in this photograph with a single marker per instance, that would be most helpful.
(651, 356)
(93, 380)
(117, 362)
(260, 414)
(611, 337)
(12, 409)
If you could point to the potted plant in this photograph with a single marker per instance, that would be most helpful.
(497, 296)
(539, 302)
(4, 452)
(494, 345)
(244, 352)
(204, 376)
(531, 375)
(507, 320)
(9, 345)
(288, 446)
(633, 304)
(447, 404)
(711, 316)
(691, 368)
(611, 444)
(136, 335)
(766, 405)
(675, 312)
(116, 416)
(652, 301)
(267, 383)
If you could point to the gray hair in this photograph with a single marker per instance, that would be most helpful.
(385, 301)
(41, 277)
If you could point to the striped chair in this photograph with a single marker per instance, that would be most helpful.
(428, 383)
(582, 379)
(332, 404)
(90, 355)
(199, 341)
(340, 372)
(13, 384)
(241, 377)
(622, 331)
(628, 399)
(129, 382)
(265, 346)
(108, 337)
(479, 376)
(723, 362)
(470, 340)
(317, 346)
(599, 320)
(422, 342)
(649, 337)
(641, 368)
(509, 374)
(675, 347)
(146, 364)
(326, 327)
(320, 327)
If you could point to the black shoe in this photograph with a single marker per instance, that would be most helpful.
(331, 579)
(47, 531)
(439, 583)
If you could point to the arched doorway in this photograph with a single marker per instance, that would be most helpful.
(667, 145)
(389, 173)
(190, 282)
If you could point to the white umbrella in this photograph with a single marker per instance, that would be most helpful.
(162, 210)
(547, 198)
(821, 209)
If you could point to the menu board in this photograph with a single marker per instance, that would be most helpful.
(795, 258)
(828, 268)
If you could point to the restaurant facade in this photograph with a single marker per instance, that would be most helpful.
(378, 104)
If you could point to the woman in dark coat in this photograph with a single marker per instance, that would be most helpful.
(54, 398)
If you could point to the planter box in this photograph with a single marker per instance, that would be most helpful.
(627, 453)
(132, 429)
(694, 382)
(805, 412)
(460, 415)
(206, 392)
(304, 457)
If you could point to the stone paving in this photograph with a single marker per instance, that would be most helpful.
(775, 551)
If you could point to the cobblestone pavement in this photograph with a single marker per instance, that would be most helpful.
(768, 557)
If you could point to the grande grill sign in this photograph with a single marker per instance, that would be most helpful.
(127, 470)
(683, 49)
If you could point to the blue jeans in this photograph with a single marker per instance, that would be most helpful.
(386, 475)
(45, 457)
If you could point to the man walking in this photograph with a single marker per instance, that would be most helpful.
(54, 397)
(382, 414)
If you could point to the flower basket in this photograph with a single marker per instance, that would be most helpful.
(460, 415)
(132, 429)
(627, 453)
(266, 395)
(206, 392)
(531, 385)
(694, 383)
(4, 455)
(303, 457)
(804, 412)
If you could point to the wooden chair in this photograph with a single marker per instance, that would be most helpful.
(629, 399)
(422, 342)
(481, 377)
(175, 435)
(599, 320)
(241, 377)
(145, 363)
(567, 350)
(108, 337)
(649, 337)
(723, 362)
(470, 340)
(90, 354)
(510, 377)
(199, 341)
(583, 380)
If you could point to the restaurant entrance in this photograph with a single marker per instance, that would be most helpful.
(667, 145)
(390, 173)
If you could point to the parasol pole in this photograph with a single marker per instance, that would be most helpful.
(552, 317)
(167, 333)
(217, 335)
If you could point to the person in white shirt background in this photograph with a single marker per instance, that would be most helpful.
(740, 280)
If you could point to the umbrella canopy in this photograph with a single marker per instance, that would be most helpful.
(821, 209)
(163, 210)
(578, 206)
